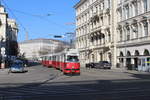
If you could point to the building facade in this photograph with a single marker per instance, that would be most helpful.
(35, 48)
(133, 30)
(94, 35)
(11, 40)
(114, 30)
(8, 36)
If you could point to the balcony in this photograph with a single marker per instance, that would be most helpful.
(107, 11)
(94, 17)
(134, 42)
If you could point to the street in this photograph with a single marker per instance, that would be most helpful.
(41, 83)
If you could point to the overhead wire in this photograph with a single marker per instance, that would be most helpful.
(42, 17)
(20, 23)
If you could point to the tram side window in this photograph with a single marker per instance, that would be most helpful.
(61, 58)
(53, 58)
(64, 58)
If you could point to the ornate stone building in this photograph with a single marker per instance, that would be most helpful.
(133, 31)
(8, 33)
(114, 30)
(94, 30)
(8, 36)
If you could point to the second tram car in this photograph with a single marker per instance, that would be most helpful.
(67, 61)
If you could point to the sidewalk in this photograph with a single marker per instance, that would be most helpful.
(117, 70)
(4, 71)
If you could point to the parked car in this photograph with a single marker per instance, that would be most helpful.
(90, 65)
(17, 66)
(103, 65)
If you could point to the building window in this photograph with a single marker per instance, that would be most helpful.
(128, 33)
(135, 31)
(145, 5)
(109, 37)
(120, 15)
(121, 36)
(145, 28)
(103, 6)
(109, 19)
(101, 20)
(136, 8)
(109, 4)
(127, 12)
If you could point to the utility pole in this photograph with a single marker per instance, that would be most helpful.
(27, 36)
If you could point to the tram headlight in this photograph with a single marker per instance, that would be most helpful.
(67, 65)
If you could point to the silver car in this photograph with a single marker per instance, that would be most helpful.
(17, 66)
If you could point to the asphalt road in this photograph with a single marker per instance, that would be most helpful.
(41, 83)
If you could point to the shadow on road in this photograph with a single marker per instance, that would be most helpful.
(125, 89)
(30, 64)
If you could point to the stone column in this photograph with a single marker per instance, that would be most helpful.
(131, 32)
(138, 30)
(132, 62)
(148, 21)
(98, 38)
(124, 63)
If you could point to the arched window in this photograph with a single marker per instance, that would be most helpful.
(121, 59)
(146, 52)
(121, 54)
(128, 53)
(136, 53)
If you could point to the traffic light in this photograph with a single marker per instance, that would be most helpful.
(57, 36)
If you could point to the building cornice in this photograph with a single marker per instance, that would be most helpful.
(139, 18)
(79, 3)
(134, 43)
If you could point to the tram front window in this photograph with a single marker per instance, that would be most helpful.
(72, 58)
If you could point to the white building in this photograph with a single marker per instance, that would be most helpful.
(8, 34)
(12, 29)
(114, 30)
(133, 32)
(33, 49)
(94, 31)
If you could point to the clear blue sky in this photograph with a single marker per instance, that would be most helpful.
(62, 12)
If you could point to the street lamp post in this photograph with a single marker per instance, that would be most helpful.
(71, 41)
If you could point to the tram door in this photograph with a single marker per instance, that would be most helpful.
(144, 64)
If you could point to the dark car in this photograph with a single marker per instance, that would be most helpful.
(90, 65)
(103, 65)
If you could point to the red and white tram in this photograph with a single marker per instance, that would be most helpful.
(67, 61)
